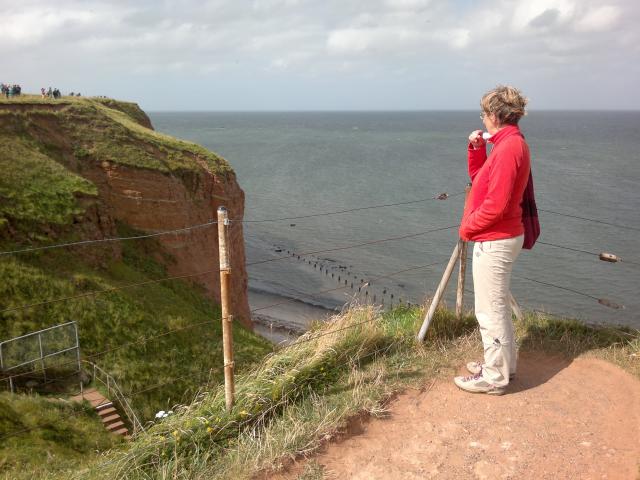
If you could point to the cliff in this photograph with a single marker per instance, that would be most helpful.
(78, 168)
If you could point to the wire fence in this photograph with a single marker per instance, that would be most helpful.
(442, 196)
(350, 361)
(298, 255)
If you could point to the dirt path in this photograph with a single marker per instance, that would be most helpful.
(560, 420)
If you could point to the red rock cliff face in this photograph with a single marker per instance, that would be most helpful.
(151, 199)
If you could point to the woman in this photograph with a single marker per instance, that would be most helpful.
(493, 219)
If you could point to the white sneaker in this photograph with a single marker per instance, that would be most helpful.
(477, 384)
(476, 368)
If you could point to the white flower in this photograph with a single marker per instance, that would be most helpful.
(161, 414)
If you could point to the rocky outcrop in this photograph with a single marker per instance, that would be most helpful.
(151, 201)
(149, 181)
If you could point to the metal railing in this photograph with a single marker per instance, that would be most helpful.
(42, 354)
(115, 394)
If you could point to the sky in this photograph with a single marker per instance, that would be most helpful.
(228, 55)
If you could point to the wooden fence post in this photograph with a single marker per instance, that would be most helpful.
(439, 292)
(462, 270)
(227, 317)
(516, 308)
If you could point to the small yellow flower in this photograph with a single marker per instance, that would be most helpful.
(244, 413)
(175, 433)
(209, 429)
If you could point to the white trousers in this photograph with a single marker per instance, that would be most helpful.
(492, 265)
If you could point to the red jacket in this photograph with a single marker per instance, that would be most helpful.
(493, 210)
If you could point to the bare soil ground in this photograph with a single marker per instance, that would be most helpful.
(560, 419)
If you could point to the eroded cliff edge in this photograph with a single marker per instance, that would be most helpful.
(128, 174)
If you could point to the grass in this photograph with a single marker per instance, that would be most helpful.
(106, 130)
(44, 199)
(36, 190)
(164, 369)
(48, 148)
(305, 394)
(54, 433)
(190, 356)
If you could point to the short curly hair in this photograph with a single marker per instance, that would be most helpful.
(506, 102)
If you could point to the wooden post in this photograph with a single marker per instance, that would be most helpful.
(439, 292)
(227, 318)
(515, 307)
(462, 270)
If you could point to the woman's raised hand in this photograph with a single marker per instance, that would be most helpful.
(475, 139)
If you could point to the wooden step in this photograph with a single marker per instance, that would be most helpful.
(111, 418)
(114, 426)
(91, 395)
(103, 406)
(103, 412)
(106, 410)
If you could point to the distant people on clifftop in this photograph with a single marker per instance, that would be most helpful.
(10, 90)
(15, 90)
(51, 93)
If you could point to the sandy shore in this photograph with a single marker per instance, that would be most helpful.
(285, 322)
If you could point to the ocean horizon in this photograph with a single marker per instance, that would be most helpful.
(291, 164)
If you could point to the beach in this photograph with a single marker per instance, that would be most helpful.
(285, 319)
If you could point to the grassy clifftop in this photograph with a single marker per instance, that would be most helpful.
(46, 197)
(43, 144)
(106, 129)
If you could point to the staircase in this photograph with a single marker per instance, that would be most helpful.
(106, 410)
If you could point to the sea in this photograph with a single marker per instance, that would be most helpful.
(309, 165)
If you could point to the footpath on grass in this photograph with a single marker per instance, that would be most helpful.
(560, 419)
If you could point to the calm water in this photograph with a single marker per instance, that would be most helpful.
(290, 164)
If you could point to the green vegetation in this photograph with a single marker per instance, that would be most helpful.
(166, 370)
(304, 394)
(53, 435)
(49, 146)
(136, 315)
(102, 130)
(34, 189)
(49, 150)
(131, 109)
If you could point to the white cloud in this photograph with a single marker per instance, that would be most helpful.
(600, 19)
(407, 4)
(380, 40)
(261, 40)
(29, 28)
(458, 37)
(528, 12)
(350, 40)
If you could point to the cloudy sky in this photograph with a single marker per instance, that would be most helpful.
(326, 54)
